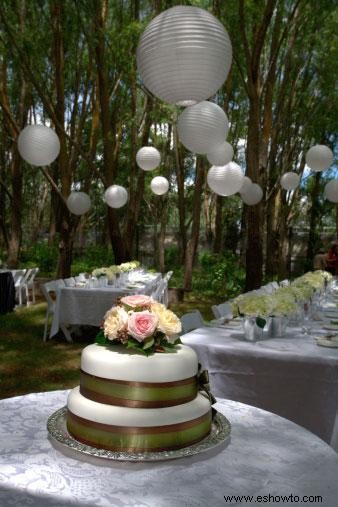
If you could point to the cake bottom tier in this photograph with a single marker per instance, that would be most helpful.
(137, 429)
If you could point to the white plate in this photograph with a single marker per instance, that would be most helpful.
(331, 327)
(325, 342)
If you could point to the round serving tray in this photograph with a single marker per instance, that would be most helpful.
(220, 434)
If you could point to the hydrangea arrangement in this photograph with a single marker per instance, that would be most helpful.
(138, 322)
(128, 266)
(113, 270)
(100, 272)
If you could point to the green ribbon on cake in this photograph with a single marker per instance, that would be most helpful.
(137, 394)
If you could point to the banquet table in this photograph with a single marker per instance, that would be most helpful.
(267, 455)
(7, 291)
(290, 376)
(87, 306)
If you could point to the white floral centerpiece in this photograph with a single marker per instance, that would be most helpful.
(253, 305)
(104, 272)
(140, 323)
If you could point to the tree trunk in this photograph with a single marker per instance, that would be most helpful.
(195, 228)
(314, 215)
(217, 247)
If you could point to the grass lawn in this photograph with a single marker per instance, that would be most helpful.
(29, 365)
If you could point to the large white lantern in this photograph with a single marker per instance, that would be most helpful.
(159, 185)
(148, 158)
(116, 196)
(78, 203)
(246, 184)
(184, 55)
(290, 181)
(319, 157)
(253, 195)
(38, 145)
(225, 180)
(203, 127)
(221, 154)
(331, 191)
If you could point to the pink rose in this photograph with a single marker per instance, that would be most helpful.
(137, 300)
(142, 324)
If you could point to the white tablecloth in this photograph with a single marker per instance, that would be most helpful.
(82, 306)
(291, 376)
(267, 455)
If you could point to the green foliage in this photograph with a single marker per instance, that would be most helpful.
(92, 257)
(40, 255)
(217, 277)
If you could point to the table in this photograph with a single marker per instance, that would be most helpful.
(290, 376)
(7, 292)
(267, 455)
(87, 306)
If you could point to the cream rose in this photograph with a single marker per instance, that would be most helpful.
(168, 322)
(115, 320)
(141, 325)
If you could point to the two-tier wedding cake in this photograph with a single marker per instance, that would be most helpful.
(139, 386)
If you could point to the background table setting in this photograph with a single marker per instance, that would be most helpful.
(87, 303)
(294, 375)
(267, 455)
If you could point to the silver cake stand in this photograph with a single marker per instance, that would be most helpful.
(219, 436)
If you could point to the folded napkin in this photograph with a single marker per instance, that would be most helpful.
(328, 340)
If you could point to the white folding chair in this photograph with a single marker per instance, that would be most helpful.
(30, 284)
(222, 310)
(69, 282)
(81, 277)
(158, 293)
(20, 277)
(48, 289)
(191, 321)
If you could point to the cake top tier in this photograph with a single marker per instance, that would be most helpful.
(119, 363)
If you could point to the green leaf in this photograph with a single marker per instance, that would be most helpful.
(260, 322)
(100, 339)
(148, 343)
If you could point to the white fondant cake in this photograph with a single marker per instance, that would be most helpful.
(116, 362)
(128, 401)
(125, 416)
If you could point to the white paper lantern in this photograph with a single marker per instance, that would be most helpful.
(203, 127)
(225, 180)
(159, 185)
(331, 191)
(319, 157)
(116, 196)
(38, 145)
(148, 158)
(184, 55)
(78, 203)
(221, 154)
(253, 195)
(246, 184)
(290, 181)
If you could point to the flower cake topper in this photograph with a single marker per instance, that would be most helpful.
(138, 322)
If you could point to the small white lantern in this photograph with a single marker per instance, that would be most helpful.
(319, 157)
(221, 155)
(184, 55)
(38, 145)
(225, 180)
(78, 203)
(159, 185)
(331, 191)
(148, 158)
(246, 184)
(116, 196)
(290, 181)
(203, 127)
(253, 195)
